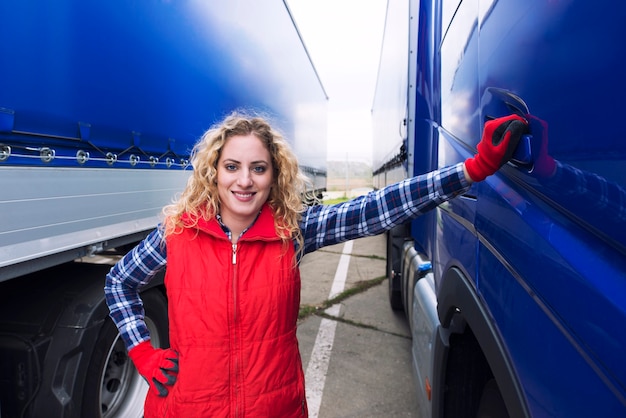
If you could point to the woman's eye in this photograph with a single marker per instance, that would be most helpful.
(259, 169)
(230, 167)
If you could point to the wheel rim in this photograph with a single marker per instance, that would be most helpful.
(122, 389)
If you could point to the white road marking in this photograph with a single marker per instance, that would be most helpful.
(317, 369)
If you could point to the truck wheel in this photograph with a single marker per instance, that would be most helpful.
(113, 388)
(395, 241)
(491, 402)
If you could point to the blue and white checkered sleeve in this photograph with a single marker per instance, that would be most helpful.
(125, 279)
(381, 210)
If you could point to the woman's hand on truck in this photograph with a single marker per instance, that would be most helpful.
(496, 147)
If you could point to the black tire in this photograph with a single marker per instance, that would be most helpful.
(491, 403)
(466, 375)
(113, 388)
(395, 241)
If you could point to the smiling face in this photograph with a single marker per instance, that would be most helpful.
(244, 180)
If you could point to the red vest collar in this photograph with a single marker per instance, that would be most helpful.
(262, 229)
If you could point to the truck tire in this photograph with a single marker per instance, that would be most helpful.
(113, 388)
(395, 241)
(491, 402)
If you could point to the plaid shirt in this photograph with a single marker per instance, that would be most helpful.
(322, 225)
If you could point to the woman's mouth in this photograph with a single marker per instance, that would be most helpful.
(243, 196)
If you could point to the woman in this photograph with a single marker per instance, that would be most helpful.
(231, 243)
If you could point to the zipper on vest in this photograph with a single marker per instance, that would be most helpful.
(236, 390)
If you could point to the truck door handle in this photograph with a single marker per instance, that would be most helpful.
(522, 156)
(496, 102)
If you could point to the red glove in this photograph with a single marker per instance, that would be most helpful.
(496, 147)
(158, 366)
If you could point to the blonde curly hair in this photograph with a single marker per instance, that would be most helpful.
(200, 198)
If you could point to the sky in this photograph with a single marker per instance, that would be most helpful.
(343, 38)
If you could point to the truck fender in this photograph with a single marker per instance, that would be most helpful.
(51, 341)
(459, 307)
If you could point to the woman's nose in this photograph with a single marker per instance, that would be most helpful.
(244, 179)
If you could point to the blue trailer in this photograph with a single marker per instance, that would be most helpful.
(100, 104)
(515, 291)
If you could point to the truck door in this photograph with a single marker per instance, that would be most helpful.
(459, 130)
(551, 259)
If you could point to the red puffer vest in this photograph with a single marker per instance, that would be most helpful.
(233, 312)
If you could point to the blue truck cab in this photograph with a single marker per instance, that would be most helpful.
(516, 290)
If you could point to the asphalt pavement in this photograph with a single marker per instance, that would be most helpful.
(357, 353)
